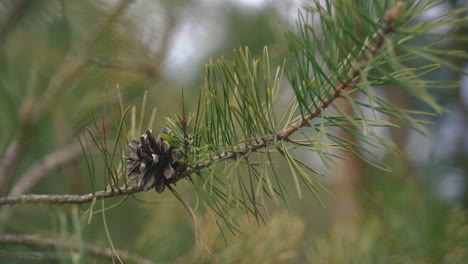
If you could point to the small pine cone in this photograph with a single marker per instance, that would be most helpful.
(152, 161)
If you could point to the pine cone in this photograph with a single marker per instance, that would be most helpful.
(153, 161)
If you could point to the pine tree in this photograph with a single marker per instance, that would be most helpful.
(227, 148)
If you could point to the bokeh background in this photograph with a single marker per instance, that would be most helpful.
(61, 67)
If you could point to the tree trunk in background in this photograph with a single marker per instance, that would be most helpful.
(350, 175)
(461, 155)
(461, 158)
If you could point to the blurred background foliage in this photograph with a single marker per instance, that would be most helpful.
(61, 66)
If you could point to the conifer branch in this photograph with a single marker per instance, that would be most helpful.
(30, 255)
(342, 86)
(34, 241)
(391, 17)
(367, 54)
(69, 199)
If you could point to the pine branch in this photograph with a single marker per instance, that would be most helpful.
(390, 18)
(256, 144)
(69, 199)
(387, 30)
(30, 255)
(34, 241)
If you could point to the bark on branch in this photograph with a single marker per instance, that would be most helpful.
(69, 199)
(34, 241)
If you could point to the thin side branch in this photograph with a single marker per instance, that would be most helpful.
(30, 255)
(189, 210)
(147, 69)
(69, 199)
(43, 167)
(9, 163)
(34, 241)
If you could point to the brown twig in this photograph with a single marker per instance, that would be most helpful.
(147, 69)
(189, 210)
(69, 199)
(43, 167)
(9, 163)
(30, 255)
(18, 148)
(34, 241)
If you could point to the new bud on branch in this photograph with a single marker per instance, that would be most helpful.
(153, 161)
